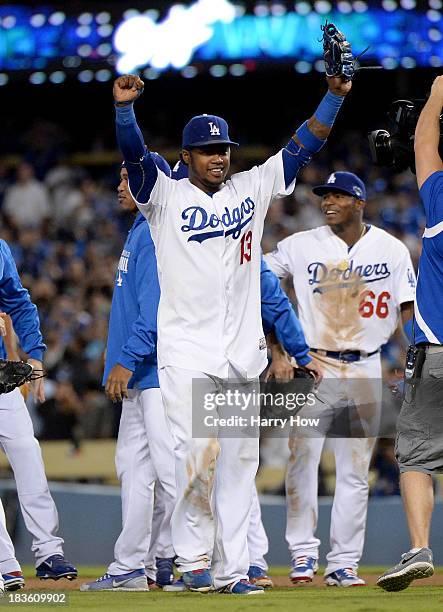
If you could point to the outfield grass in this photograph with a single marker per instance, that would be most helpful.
(368, 599)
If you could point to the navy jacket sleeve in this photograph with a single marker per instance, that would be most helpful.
(143, 340)
(16, 302)
(279, 316)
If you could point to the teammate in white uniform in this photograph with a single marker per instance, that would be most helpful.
(207, 236)
(19, 444)
(351, 282)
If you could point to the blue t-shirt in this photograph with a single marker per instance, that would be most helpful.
(429, 296)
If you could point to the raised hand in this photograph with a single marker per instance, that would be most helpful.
(127, 89)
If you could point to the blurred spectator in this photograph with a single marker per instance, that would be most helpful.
(26, 201)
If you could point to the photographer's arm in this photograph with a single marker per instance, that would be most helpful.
(427, 135)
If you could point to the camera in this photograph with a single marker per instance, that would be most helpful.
(396, 150)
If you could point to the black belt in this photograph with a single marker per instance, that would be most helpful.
(347, 356)
(431, 348)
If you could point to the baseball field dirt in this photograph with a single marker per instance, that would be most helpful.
(423, 596)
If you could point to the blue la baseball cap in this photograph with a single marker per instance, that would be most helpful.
(204, 130)
(345, 182)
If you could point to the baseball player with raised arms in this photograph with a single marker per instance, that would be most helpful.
(283, 329)
(207, 233)
(18, 441)
(352, 280)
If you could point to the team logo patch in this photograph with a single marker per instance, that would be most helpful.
(325, 278)
(332, 178)
(122, 267)
(358, 192)
(215, 131)
(262, 344)
(230, 223)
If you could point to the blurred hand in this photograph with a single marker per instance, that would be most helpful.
(338, 86)
(37, 386)
(316, 371)
(127, 88)
(280, 368)
(116, 387)
(3, 330)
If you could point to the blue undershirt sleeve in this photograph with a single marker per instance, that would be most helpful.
(142, 170)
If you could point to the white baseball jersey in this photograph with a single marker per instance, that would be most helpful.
(348, 299)
(208, 257)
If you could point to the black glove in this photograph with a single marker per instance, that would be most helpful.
(337, 53)
(14, 374)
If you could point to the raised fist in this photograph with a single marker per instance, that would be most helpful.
(127, 89)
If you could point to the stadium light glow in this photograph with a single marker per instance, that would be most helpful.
(37, 20)
(172, 42)
(9, 22)
(37, 78)
(103, 17)
(57, 18)
(57, 77)
(85, 76)
(322, 6)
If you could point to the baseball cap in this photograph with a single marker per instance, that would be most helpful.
(205, 130)
(345, 182)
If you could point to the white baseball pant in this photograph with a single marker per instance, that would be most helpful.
(8, 561)
(143, 455)
(258, 544)
(24, 455)
(236, 462)
(161, 542)
(359, 381)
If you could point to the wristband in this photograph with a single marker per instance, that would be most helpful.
(328, 109)
(309, 141)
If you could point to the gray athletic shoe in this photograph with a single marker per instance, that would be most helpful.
(412, 566)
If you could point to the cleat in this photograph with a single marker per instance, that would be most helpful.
(13, 581)
(303, 570)
(413, 566)
(56, 567)
(259, 577)
(199, 581)
(346, 577)
(165, 571)
(176, 587)
(132, 581)
(242, 587)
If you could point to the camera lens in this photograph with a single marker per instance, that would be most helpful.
(380, 144)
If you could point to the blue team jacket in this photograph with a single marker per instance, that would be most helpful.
(132, 334)
(16, 302)
(278, 315)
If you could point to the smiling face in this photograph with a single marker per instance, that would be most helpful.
(208, 165)
(124, 197)
(341, 209)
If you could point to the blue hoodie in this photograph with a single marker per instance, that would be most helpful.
(132, 337)
(16, 302)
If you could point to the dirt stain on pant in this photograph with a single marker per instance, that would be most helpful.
(201, 477)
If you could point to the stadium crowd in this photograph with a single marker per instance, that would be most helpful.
(66, 233)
